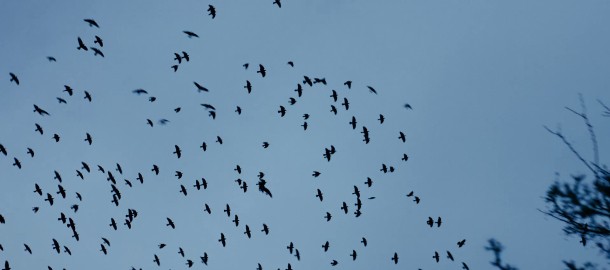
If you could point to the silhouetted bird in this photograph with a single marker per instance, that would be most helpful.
(61, 100)
(222, 239)
(51, 59)
(278, 3)
(344, 207)
(56, 137)
(81, 45)
(353, 255)
(88, 138)
(36, 190)
(17, 163)
(372, 90)
(212, 11)
(155, 169)
(369, 182)
(87, 96)
(320, 195)
(227, 210)
(461, 243)
(292, 101)
(97, 51)
(345, 104)
(246, 65)
(430, 222)
(318, 80)
(290, 247)
(156, 260)
(139, 91)
(99, 41)
(247, 232)
(405, 157)
(238, 110)
(175, 68)
(265, 229)
(39, 129)
(349, 84)
(170, 223)
(299, 90)
(333, 109)
(204, 258)
(178, 152)
(363, 241)
(91, 23)
(212, 114)
(465, 266)
(103, 249)
(402, 137)
(395, 258)
(262, 70)
(438, 222)
(307, 80)
(449, 255)
(328, 216)
(248, 86)
(282, 111)
(436, 257)
(181, 251)
(200, 88)
(14, 78)
(190, 35)
(113, 224)
(326, 246)
(407, 106)
(40, 111)
(353, 122)
(316, 174)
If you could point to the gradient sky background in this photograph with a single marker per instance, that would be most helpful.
(483, 77)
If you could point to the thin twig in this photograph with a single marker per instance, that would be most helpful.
(607, 112)
(583, 115)
(571, 148)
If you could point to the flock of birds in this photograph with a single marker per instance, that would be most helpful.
(63, 188)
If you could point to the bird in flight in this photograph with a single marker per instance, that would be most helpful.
(178, 152)
(99, 41)
(200, 88)
(212, 11)
(139, 91)
(348, 84)
(190, 35)
(81, 45)
(395, 258)
(262, 70)
(278, 3)
(51, 59)
(282, 111)
(372, 90)
(91, 23)
(97, 51)
(222, 239)
(14, 78)
(40, 110)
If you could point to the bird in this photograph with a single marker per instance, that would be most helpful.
(353, 255)
(278, 3)
(203, 146)
(265, 229)
(436, 257)
(178, 152)
(3, 150)
(405, 157)
(345, 103)
(372, 90)
(369, 182)
(248, 86)
(381, 119)
(328, 216)
(334, 262)
(61, 100)
(282, 111)
(103, 249)
(212, 114)
(155, 169)
(177, 110)
(200, 88)
(334, 96)
(247, 232)
(14, 78)
(407, 106)
(37, 189)
(170, 223)
(181, 251)
(6, 265)
(292, 101)
(218, 140)
(208, 107)
(430, 222)
(99, 41)
(353, 122)
(262, 70)
(56, 137)
(363, 241)
(318, 80)
(333, 109)
(227, 210)
(40, 111)
(395, 258)
(299, 90)
(265, 144)
(326, 246)
(222, 239)
(438, 222)
(204, 258)
(81, 45)
(87, 96)
(344, 207)
(88, 138)
(30, 152)
(307, 80)
(297, 254)
(91, 23)
(175, 67)
(139, 91)
(319, 195)
(461, 243)
(51, 59)
(348, 84)
(190, 35)
(290, 63)
(97, 51)
(68, 89)
(449, 255)
(39, 129)
(465, 266)
(290, 247)
(402, 137)
(316, 174)
(246, 65)
(212, 11)
(156, 260)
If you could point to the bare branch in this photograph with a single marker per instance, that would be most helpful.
(558, 134)
(607, 112)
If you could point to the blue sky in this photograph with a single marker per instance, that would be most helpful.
(482, 77)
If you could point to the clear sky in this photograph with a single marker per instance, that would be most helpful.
(482, 77)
